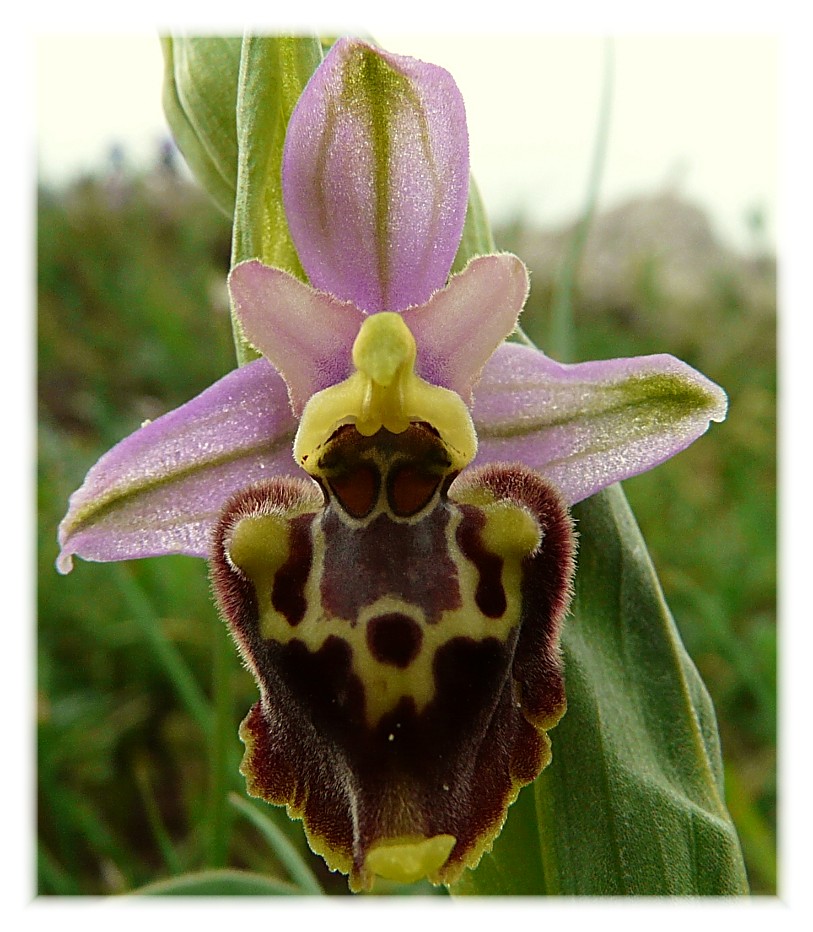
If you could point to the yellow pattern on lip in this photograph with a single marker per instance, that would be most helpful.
(259, 545)
(385, 392)
(409, 859)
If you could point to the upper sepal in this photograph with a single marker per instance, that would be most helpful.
(375, 177)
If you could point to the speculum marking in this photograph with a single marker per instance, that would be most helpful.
(357, 489)
(410, 488)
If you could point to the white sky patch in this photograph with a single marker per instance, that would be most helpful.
(693, 112)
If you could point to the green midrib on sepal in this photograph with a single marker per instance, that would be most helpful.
(103, 505)
(379, 96)
(370, 89)
(650, 400)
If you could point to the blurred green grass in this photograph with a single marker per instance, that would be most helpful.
(132, 321)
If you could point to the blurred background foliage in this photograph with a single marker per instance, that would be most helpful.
(137, 755)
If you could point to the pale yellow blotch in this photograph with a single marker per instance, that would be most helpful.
(408, 859)
(258, 546)
(384, 392)
(510, 529)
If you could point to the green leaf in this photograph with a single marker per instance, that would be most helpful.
(228, 102)
(285, 851)
(199, 98)
(273, 74)
(218, 883)
(632, 803)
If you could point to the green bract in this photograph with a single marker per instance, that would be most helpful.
(228, 102)
(199, 97)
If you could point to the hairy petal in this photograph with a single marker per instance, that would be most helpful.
(458, 329)
(161, 490)
(375, 177)
(587, 425)
(307, 335)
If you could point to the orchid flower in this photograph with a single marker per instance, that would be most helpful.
(383, 495)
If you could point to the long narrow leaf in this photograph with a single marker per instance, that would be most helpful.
(218, 823)
(165, 652)
(156, 822)
(218, 883)
(287, 854)
(632, 803)
(51, 875)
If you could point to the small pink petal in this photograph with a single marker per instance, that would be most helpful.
(307, 335)
(459, 327)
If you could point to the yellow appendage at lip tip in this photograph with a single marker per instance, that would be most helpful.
(384, 392)
(408, 861)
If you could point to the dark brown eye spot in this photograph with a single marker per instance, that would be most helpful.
(410, 489)
(357, 490)
(394, 639)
